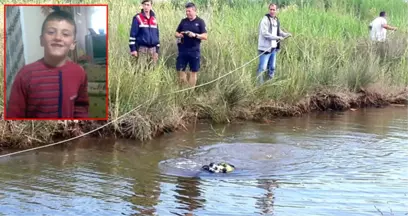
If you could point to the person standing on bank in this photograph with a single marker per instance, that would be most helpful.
(378, 28)
(270, 34)
(144, 33)
(189, 33)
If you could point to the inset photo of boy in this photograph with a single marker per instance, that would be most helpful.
(56, 62)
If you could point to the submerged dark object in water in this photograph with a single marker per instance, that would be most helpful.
(219, 168)
(249, 159)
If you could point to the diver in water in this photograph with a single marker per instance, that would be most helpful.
(219, 168)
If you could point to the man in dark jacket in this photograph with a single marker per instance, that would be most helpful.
(144, 33)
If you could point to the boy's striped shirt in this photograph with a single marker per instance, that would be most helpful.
(42, 91)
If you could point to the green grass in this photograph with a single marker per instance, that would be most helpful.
(329, 49)
(319, 37)
(97, 106)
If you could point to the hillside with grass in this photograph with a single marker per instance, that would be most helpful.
(328, 64)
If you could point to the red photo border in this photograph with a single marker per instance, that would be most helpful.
(5, 63)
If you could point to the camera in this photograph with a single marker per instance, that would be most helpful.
(186, 33)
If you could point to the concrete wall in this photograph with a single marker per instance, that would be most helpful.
(97, 17)
(31, 22)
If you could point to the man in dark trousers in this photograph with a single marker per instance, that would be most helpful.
(144, 33)
(190, 32)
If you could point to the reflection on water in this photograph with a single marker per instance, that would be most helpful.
(265, 203)
(188, 194)
(325, 164)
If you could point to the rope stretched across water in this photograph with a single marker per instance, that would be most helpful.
(137, 107)
(127, 113)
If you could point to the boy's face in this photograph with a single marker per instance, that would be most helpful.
(58, 38)
(147, 6)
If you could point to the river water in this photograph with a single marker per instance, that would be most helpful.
(352, 163)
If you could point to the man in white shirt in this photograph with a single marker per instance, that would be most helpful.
(378, 28)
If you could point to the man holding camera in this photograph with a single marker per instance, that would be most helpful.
(189, 33)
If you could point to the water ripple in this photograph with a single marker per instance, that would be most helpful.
(351, 163)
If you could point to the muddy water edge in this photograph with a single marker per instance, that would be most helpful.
(15, 134)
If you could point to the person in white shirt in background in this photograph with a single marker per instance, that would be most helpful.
(378, 28)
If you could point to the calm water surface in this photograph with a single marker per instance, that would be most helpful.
(353, 163)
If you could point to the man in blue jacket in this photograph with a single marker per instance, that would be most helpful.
(144, 33)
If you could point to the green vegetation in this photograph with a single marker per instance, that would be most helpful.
(329, 56)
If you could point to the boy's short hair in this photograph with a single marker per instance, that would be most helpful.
(382, 13)
(144, 1)
(59, 15)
